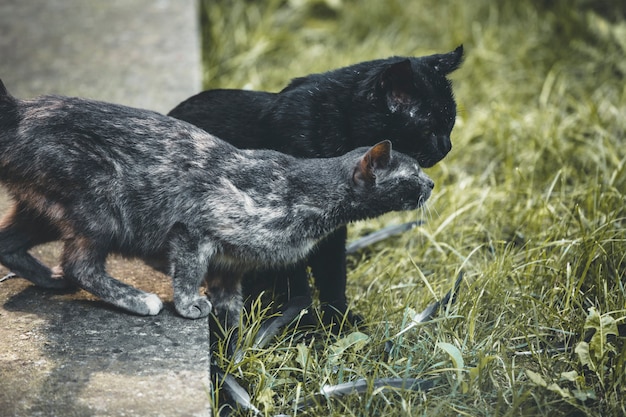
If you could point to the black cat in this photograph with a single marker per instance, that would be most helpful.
(105, 178)
(406, 100)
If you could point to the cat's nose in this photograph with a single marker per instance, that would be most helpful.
(445, 145)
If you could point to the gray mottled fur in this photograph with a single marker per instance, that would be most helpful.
(105, 178)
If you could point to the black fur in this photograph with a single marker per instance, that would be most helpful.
(406, 100)
(105, 178)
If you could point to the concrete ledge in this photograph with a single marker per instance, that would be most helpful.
(142, 53)
(69, 354)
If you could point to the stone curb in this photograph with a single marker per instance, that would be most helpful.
(69, 354)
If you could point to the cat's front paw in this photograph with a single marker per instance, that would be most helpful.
(140, 303)
(154, 305)
(194, 309)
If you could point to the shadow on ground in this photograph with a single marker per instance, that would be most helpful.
(88, 359)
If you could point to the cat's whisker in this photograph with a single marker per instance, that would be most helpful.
(427, 211)
(421, 213)
(435, 211)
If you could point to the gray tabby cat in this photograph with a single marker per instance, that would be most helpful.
(105, 178)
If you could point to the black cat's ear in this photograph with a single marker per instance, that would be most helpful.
(376, 158)
(397, 82)
(446, 63)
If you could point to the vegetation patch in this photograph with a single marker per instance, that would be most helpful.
(530, 205)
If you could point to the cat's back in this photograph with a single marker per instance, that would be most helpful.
(221, 100)
(235, 115)
(345, 77)
(82, 126)
(51, 114)
(64, 140)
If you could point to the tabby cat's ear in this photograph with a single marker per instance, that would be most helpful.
(376, 158)
(446, 63)
(397, 83)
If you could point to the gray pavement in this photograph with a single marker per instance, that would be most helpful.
(68, 354)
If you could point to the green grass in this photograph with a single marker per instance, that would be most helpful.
(530, 204)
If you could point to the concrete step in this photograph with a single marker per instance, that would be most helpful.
(68, 354)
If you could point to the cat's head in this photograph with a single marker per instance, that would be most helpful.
(388, 180)
(419, 106)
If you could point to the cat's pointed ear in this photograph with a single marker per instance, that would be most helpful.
(397, 82)
(446, 63)
(376, 158)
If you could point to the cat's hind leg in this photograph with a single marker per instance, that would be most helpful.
(84, 263)
(188, 260)
(20, 230)
(224, 290)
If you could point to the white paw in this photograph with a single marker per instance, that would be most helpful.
(153, 303)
